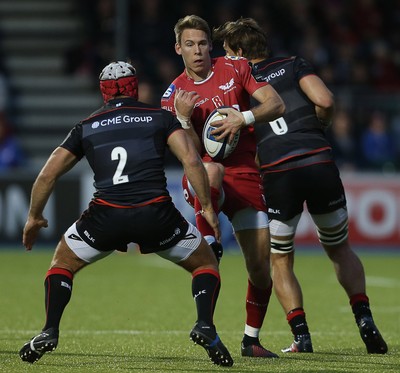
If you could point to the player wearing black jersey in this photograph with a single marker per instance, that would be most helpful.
(297, 167)
(125, 143)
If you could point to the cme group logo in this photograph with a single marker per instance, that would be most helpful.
(122, 119)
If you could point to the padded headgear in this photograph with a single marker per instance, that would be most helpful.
(118, 79)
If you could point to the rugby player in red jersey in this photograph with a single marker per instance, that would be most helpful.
(206, 84)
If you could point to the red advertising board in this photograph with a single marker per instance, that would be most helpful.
(373, 203)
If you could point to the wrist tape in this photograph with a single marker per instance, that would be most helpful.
(248, 117)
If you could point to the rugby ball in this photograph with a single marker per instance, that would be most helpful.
(217, 150)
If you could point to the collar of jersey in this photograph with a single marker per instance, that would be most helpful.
(204, 80)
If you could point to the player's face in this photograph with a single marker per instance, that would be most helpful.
(195, 51)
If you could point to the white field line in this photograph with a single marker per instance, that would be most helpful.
(375, 281)
(164, 332)
(383, 282)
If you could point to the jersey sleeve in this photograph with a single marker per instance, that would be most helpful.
(167, 100)
(250, 84)
(73, 142)
(302, 68)
(172, 124)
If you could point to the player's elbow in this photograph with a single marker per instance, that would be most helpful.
(191, 160)
(326, 101)
(277, 109)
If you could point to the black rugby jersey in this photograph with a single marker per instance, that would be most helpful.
(298, 133)
(125, 143)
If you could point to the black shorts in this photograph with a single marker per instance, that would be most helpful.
(318, 185)
(154, 227)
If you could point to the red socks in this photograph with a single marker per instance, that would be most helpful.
(257, 301)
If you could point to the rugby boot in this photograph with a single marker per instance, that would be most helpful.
(371, 337)
(207, 337)
(301, 343)
(44, 342)
(256, 350)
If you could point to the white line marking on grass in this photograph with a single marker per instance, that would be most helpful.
(100, 332)
(128, 332)
(383, 282)
(376, 310)
(163, 332)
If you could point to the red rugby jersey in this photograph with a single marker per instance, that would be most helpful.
(229, 84)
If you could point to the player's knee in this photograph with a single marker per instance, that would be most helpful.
(282, 235)
(333, 237)
(214, 167)
(216, 172)
(188, 192)
(259, 272)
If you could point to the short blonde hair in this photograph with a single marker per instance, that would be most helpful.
(191, 22)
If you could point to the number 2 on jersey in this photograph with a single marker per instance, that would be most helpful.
(119, 154)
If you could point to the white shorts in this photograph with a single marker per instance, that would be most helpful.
(249, 218)
(184, 248)
(289, 227)
(181, 251)
(81, 249)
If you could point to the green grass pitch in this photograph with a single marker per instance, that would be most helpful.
(132, 312)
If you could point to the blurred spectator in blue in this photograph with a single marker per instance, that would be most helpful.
(395, 126)
(344, 145)
(11, 154)
(377, 144)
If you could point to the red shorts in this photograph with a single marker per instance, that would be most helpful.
(242, 190)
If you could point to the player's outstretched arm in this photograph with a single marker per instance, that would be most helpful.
(270, 108)
(183, 148)
(321, 96)
(271, 105)
(59, 162)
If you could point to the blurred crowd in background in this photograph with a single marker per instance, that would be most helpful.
(354, 46)
(11, 152)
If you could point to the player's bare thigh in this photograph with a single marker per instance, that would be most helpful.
(252, 234)
(215, 172)
(65, 258)
(201, 259)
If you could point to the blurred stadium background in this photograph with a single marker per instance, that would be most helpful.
(51, 53)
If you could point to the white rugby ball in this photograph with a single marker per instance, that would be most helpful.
(217, 150)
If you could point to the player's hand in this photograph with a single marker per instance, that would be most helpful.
(212, 220)
(184, 102)
(228, 126)
(31, 231)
